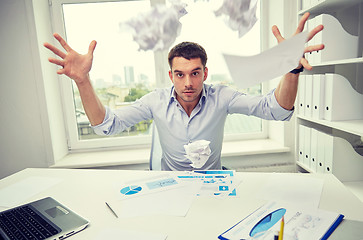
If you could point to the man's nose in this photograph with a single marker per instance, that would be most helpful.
(188, 81)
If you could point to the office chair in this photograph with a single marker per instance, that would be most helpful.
(156, 151)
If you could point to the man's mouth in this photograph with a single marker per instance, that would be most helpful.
(188, 92)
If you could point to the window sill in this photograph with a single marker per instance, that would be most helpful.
(141, 155)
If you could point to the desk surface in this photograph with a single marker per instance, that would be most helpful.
(85, 192)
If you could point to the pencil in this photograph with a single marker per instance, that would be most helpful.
(111, 209)
(281, 233)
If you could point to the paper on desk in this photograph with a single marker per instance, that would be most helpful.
(300, 223)
(240, 15)
(117, 233)
(21, 191)
(279, 60)
(158, 28)
(219, 185)
(215, 183)
(297, 189)
(149, 185)
(173, 202)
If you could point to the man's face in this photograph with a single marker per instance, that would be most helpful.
(188, 77)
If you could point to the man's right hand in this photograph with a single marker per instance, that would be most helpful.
(74, 65)
(77, 67)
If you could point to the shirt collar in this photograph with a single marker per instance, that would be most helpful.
(172, 96)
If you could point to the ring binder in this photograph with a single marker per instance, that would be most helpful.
(318, 96)
(341, 99)
(334, 37)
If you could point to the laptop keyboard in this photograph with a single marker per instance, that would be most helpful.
(25, 223)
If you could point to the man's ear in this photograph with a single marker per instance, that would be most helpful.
(171, 76)
(205, 73)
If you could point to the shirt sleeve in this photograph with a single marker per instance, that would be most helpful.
(120, 119)
(264, 106)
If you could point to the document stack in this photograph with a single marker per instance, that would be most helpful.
(328, 96)
(339, 44)
(324, 153)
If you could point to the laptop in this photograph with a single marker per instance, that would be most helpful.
(42, 219)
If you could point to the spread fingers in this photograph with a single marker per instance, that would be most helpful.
(62, 42)
(56, 61)
(55, 50)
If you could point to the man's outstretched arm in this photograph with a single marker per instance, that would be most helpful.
(77, 67)
(286, 90)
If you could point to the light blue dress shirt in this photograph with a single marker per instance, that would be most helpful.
(206, 121)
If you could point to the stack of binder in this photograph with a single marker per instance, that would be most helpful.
(328, 96)
(324, 153)
(334, 37)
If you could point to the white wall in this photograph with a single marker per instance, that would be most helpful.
(26, 136)
(50, 80)
(22, 134)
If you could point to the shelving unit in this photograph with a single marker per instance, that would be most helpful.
(350, 126)
(349, 13)
(340, 62)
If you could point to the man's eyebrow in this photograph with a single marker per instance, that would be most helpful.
(195, 69)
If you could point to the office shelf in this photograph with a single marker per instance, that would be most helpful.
(326, 6)
(345, 134)
(339, 62)
(306, 168)
(349, 126)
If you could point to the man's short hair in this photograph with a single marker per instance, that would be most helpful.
(188, 50)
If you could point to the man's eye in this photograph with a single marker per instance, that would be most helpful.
(179, 75)
(195, 73)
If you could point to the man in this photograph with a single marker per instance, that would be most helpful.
(190, 110)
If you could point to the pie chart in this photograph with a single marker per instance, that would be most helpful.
(130, 190)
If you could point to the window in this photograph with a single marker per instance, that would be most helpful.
(121, 73)
(202, 26)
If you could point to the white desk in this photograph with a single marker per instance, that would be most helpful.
(85, 191)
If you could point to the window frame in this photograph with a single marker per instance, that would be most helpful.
(161, 76)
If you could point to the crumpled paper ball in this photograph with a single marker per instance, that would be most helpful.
(240, 15)
(198, 152)
(158, 28)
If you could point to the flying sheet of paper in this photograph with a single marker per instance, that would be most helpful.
(158, 28)
(297, 189)
(240, 15)
(117, 233)
(277, 61)
(21, 191)
(198, 152)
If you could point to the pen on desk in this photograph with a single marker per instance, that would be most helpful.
(281, 233)
(111, 209)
